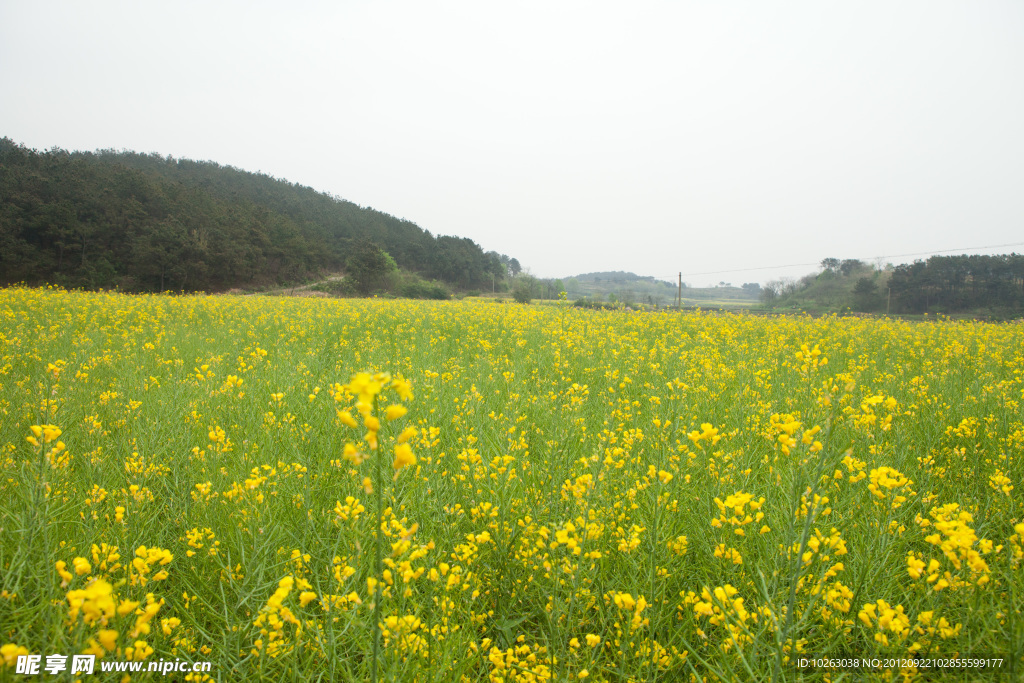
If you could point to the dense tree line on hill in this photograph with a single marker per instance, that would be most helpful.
(942, 284)
(959, 283)
(143, 222)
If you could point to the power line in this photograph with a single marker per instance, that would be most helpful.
(873, 258)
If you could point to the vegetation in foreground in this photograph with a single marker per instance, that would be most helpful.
(560, 494)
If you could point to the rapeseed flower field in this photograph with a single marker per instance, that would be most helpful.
(300, 489)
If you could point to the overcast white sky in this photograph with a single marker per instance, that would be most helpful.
(653, 137)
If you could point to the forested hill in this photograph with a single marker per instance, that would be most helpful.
(143, 222)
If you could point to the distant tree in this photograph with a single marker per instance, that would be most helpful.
(368, 266)
(752, 287)
(830, 265)
(159, 255)
(850, 265)
(514, 268)
(865, 294)
(523, 289)
(865, 285)
(789, 287)
(770, 293)
(829, 291)
(497, 268)
(957, 283)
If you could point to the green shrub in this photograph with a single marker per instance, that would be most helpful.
(343, 287)
(523, 289)
(414, 287)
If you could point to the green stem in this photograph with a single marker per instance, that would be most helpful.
(378, 492)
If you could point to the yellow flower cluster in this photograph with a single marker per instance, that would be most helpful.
(144, 561)
(100, 609)
(810, 359)
(733, 511)
(723, 609)
(56, 454)
(275, 618)
(886, 483)
(955, 537)
(886, 621)
(366, 388)
(625, 602)
(521, 662)
(402, 632)
(783, 428)
(707, 433)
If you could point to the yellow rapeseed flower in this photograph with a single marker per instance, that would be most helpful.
(394, 411)
(403, 456)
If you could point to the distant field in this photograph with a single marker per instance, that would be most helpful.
(719, 303)
(707, 304)
(560, 494)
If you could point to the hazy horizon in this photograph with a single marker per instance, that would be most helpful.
(577, 137)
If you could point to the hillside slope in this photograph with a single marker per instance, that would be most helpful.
(142, 222)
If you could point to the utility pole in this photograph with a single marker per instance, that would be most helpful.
(680, 290)
(888, 299)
